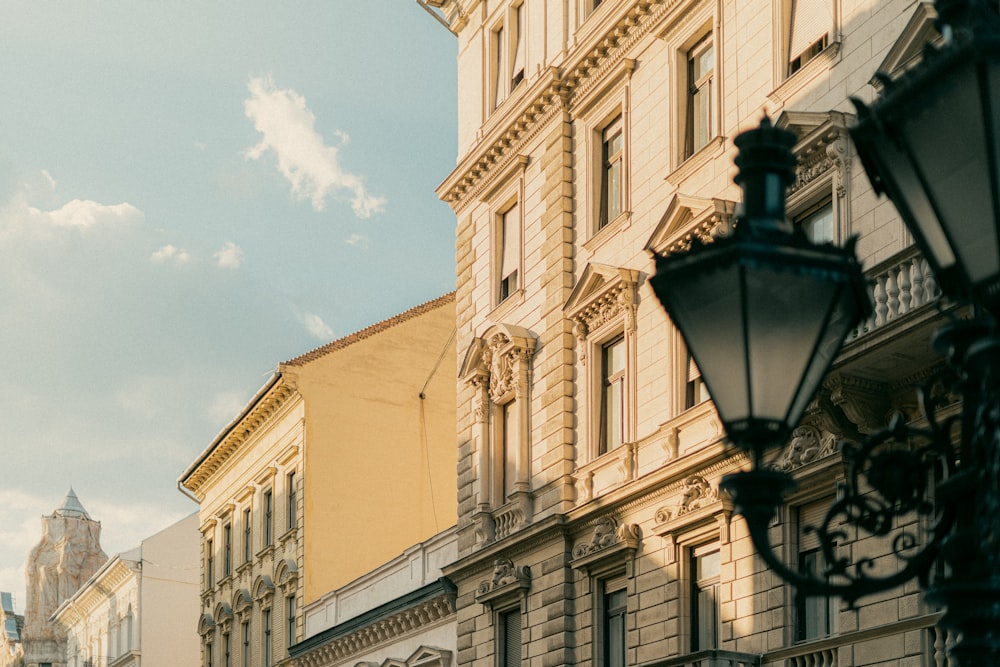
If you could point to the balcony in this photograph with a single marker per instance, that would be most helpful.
(710, 658)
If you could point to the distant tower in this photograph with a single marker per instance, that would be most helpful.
(67, 555)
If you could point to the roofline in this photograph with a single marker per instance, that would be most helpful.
(108, 565)
(371, 330)
(273, 380)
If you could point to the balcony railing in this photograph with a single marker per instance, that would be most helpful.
(710, 658)
(899, 286)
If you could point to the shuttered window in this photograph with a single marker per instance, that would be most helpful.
(509, 638)
(809, 27)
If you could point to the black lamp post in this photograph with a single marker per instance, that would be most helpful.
(764, 312)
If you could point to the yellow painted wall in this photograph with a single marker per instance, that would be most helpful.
(380, 462)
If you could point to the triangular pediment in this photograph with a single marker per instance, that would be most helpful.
(908, 48)
(596, 280)
(472, 362)
(426, 655)
(687, 216)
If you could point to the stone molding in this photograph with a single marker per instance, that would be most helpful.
(688, 218)
(404, 622)
(257, 416)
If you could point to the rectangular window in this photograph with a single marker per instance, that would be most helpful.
(612, 149)
(817, 222)
(695, 391)
(517, 62)
(510, 250)
(210, 562)
(612, 395)
(700, 103)
(226, 650)
(246, 644)
(499, 58)
(268, 518)
(509, 638)
(208, 657)
(815, 617)
(266, 643)
(290, 500)
(508, 439)
(809, 24)
(247, 537)
(290, 620)
(613, 633)
(227, 550)
(705, 562)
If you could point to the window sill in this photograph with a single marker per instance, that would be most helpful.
(605, 473)
(695, 162)
(245, 565)
(266, 551)
(504, 307)
(288, 535)
(608, 231)
(794, 83)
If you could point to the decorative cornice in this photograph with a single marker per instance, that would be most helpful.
(610, 541)
(228, 444)
(556, 91)
(421, 608)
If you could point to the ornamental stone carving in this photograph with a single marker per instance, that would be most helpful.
(508, 581)
(807, 444)
(697, 493)
(608, 532)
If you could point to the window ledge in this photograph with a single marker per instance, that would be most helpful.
(605, 473)
(504, 307)
(694, 163)
(288, 535)
(608, 231)
(243, 566)
(268, 550)
(793, 84)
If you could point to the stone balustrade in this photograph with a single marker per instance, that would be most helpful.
(711, 658)
(898, 287)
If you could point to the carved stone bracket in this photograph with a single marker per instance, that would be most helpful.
(807, 444)
(611, 542)
(699, 503)
(508, 583)
(697, 493)
(863, 402)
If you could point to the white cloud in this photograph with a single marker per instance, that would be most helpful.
(357, 240)
(23, 213)
(170, 253)
(230, 256)
(312, 168)
(316, 327)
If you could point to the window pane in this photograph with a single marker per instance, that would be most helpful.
(818, 224)
(612, 395)
(499, 58)
(509, 448)
(611, 172)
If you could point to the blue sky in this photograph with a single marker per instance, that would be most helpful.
(191, 193)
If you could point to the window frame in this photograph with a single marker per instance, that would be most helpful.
(703, 84)
(502, 618)
(227, 549)
(610, 379)
(504, 251)
(291, 504)
(606, 587)
(506, 42)
(802, 514)
(267, 516)
(290, 605)
(266, 643)
(694, 555)
(210, 562)
(247, 535)
(245, 652)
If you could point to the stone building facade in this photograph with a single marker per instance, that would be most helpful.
(591, 526)
(137, 608)
(66, 557)
(287, 491)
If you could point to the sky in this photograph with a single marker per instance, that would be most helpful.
(190, 194)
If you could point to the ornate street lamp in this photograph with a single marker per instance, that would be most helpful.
(764, 312)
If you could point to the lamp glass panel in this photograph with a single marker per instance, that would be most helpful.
(844, 315)
(946, 137)
(707, 310)
(787, 318)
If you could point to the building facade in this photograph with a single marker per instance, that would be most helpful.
(342, 461)
(137, 609)
(591, 527)
(400, 614)
(66, 557)
(11, 651)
